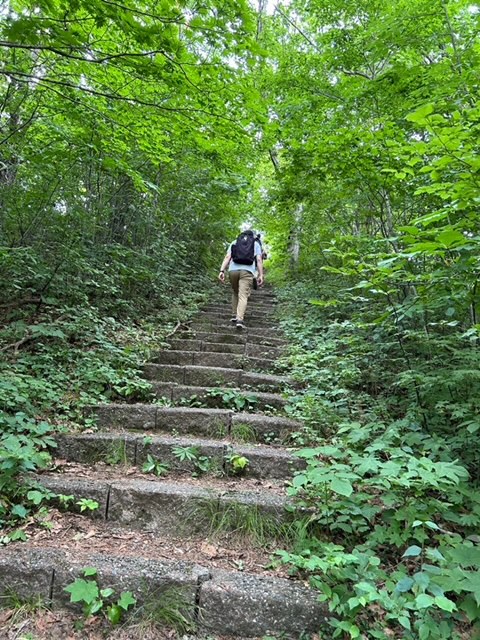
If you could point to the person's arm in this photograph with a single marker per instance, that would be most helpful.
(223, 268)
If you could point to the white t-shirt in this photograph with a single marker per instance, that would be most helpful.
(234, 266)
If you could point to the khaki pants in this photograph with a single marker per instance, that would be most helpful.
(241, 282)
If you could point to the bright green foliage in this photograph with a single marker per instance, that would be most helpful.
(87, 504)
(201, 463)
(94, 600)
(126, 130)
(393, 514)
(370, 202)
(235, 400)
(236, 463)
(152, 465)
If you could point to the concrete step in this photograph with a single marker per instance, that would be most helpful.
(225, 315)
(199, 345)
(214, 601)
(220, 321)
(170, 508)
(209, 423)
(247, 348)
(212, 396)
(259, 295)
(252, 334)
(216, 359)
(256, 310)
(215, 377)
(129, 449)
(232, 337)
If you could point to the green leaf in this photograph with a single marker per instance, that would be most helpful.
(126, 600)
(114, 614)
(420, 114)
(20, 511)
(89, 571)
(472, 584)
(422, 579)
(405, 622)
(35, 496)
(445, 604)
(82, 591)
(404, 585)
(434, 554)
(423, 601)
(341, 486)
(299, 480)
(469, 606)
(451, 237)
(465, 555)
(412, 552)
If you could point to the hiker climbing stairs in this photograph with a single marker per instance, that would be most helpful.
(212, 438)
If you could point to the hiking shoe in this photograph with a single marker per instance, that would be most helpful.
(240, 325)
(233, 320)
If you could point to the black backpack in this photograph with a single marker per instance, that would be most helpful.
(243, 251)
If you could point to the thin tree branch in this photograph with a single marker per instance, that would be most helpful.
(70, 56)
(22, 126)
(304, 35)
(146, 13)
(17, 75)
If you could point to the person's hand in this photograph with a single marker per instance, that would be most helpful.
(260, 281)
(221, 276)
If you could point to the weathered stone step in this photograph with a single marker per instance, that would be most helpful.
(257, 296)
(216, 423)
(261, 327)
(215, 377)
(254, 304)
(234, 337)
(248, 349)
(224, 316)
(171, 508)
(214, 601)
(216, 359)
(264, 294)
(129, 449)
(254, 311)
(212, 396)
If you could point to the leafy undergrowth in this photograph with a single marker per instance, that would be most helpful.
(54, 361)
(391, 480)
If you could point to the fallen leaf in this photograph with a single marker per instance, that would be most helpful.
(209, 550)
(5, 615)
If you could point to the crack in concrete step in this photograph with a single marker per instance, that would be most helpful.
(260, 331)
(218, 601)
(252, 321)
(174, 508)
(212, 396)
(216, 359)
(248, 349)
(131, 449)
(234, 338)
(215, 377)
(194, 421)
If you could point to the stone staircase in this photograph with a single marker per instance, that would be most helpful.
(216, 402)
